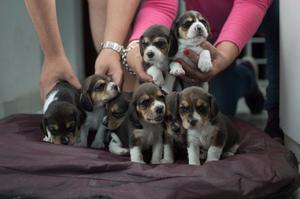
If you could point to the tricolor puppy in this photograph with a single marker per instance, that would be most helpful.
(62, 116)
(146, 114)
(174, 134)
(156, 46)
(206, 126)
(116, 121)
(97, 90)
(191, 29)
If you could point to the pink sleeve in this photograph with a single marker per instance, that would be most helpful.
(154, 12)
(243, 21)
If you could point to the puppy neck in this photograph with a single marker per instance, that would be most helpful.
(191, 42)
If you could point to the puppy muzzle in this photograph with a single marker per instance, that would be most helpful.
(64, 140)
(175, 127)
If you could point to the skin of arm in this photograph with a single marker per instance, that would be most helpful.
(118, 21)
(56, 65)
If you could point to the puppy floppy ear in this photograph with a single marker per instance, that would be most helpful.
(173, 43)
(141, 45)
(86, 101)
(43, 126)
(79, 117)
(214, 110)
(133, 117)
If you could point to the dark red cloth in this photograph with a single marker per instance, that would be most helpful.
(29, 167)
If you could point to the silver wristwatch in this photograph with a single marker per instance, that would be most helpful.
(112, 45)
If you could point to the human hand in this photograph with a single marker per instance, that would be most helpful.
(135, 61)
(108, 63)
(220, 61)
(54, 70)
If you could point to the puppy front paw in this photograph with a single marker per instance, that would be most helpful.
(98, 145)
(176, 69)
(194, 162)
(158, 80)
(166, 161)
(155, 161)
(138, 161)
(204, 65)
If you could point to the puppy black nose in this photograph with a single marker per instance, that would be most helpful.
(115, 87)
(199, 29)
(64, 140)
(159, 109)
(150, 54)
(175, 127)
(193, 122)
(105, 121)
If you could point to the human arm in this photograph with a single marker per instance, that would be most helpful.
(118, 20)
(56, 65)
(151, 12)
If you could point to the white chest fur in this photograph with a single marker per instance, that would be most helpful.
(151, 134)
(94, 118)
(201, 137)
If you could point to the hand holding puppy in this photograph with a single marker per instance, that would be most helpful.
(222, 56)
(54, 70)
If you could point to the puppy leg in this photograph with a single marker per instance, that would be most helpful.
(115, 146)
(84, 131)
(157, 152)
(204, 62)
(176, 69)
(168, 149)
(98, 142)
(156, 74)
(231, 151)
(136, 155)
(214, 153)
(193, 154)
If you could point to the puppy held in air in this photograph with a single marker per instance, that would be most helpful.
(146, 114)
(116, 122)
(156, 46)
(206, 127)
(97, 90)
(62, 116)
(191, 29)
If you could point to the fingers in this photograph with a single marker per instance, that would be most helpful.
(74, 81)
(142, 75)
(191, 55)
(192, 73)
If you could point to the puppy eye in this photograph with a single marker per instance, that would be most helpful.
(117, 114)
(183, 109)
(203, 21)
(52, 128)
(144, 43)
(160, 44)
(99, 87)
(187, 24)
(161, 98)
(144, 103)
(202, 109)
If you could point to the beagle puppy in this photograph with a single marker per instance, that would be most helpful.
(146, 114)
(191, 29)
(156, 46)
(174, 134)
(62, 116)
(206, 126)
(116, 122)
(97, 90)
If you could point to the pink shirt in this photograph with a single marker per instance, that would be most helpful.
(231, 20)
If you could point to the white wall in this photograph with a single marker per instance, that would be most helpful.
(290, 68)
(21, 57)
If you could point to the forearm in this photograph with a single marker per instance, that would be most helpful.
(118, 20)
(43, 15)
(243, 21)
(154, 12)
(229, 51)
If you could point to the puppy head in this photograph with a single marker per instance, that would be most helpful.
(116, 112)
(62, 121)
(172, 118)
(157, 44)
(197, 108)
(97, 90)
(147, 104)
(191, 25)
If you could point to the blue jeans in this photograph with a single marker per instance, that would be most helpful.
(238, 80)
